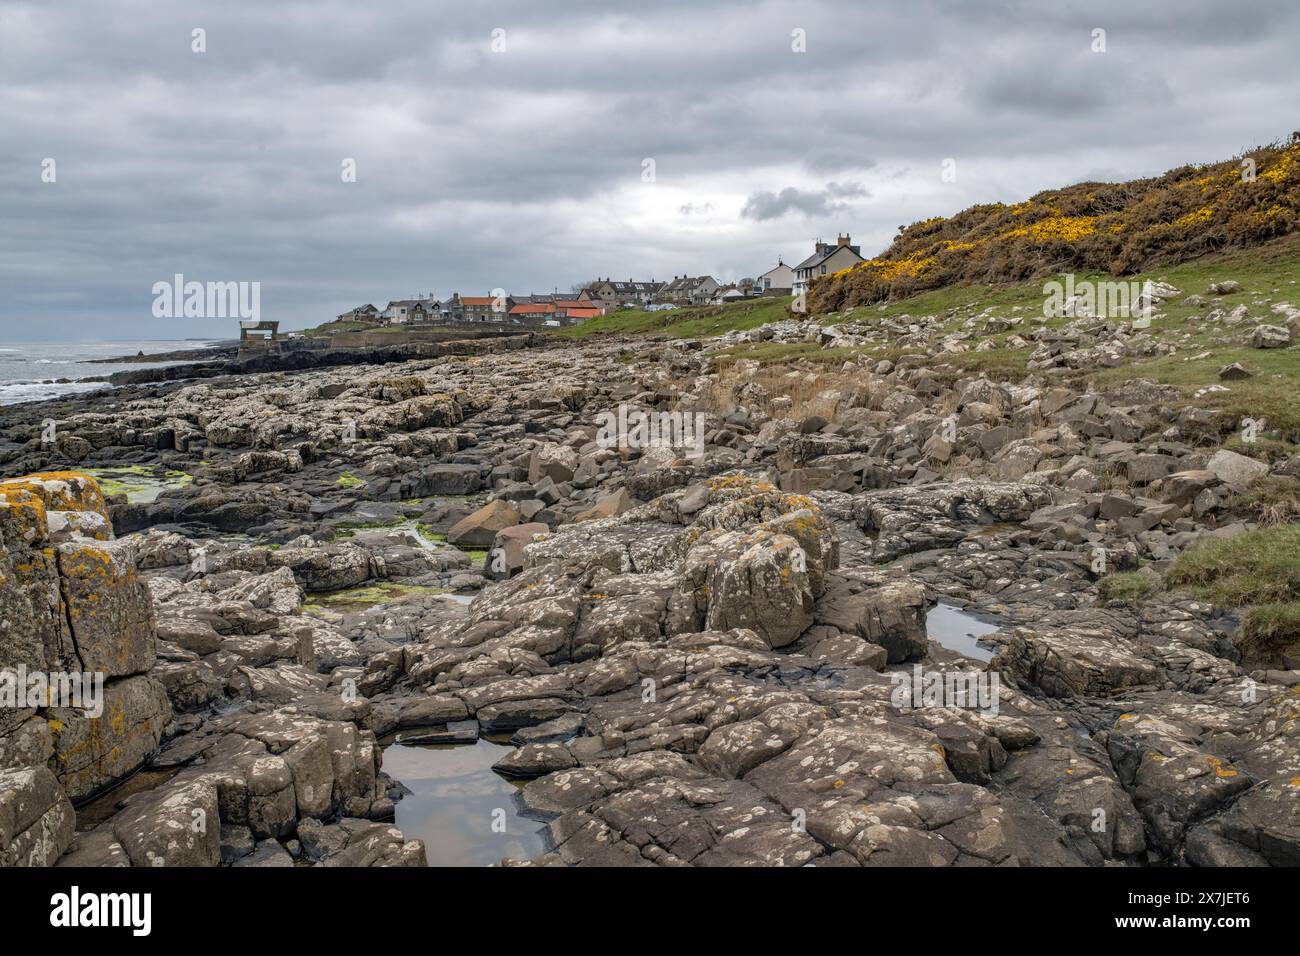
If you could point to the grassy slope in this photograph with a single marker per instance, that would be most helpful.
(1122, 228)
(1258, 572)
(689, 322)
(1271, 272)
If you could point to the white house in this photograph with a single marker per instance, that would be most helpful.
(778, 281)
(690, 290)
(419, 309)
(825, 260)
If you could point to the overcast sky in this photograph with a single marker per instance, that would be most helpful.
(505, 144)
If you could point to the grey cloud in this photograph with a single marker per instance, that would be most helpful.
(837, 159)
(478, 169)
(811, 203)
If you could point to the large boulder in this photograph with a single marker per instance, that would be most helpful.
(450, 479)
(557, 462)
(508, 556)
(757, 580)
(1270, 337)
(423, 411)
(108, 608)
(325, 567)
(1075, 662)
(480, 528)
(886, 613)
(1234, 469)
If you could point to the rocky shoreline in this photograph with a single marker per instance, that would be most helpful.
(696, 659)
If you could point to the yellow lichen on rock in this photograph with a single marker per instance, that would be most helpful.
(23, 510)
(62, 490)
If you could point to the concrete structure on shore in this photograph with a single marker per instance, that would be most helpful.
(256, 328)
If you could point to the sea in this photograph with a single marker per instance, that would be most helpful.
(36, 371)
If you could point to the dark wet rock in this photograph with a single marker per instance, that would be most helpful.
(553, 731)
(451, 479)
(236, 843)
(454, 732)
(883, 612)
(535, 760)
(375, 844)
(268, 853)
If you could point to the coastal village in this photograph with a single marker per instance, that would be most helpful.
(602, 296)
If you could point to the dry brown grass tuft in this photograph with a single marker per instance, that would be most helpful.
(785, 391)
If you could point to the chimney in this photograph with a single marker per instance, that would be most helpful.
(843, 240)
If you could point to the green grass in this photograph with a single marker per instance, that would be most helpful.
(349, 480)
(687, 322)
(1254, 568)
(326, 328)
(1258, 571)
(999, 364)
(1269, 630)
(1269, 272)
(960, 300)
(1269, 395)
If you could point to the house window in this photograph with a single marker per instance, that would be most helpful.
(823, 272)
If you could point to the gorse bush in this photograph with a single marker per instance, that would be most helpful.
(1118, 228)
